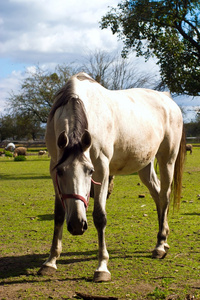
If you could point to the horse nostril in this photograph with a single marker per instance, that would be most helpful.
(85, 227)
(69, 227)
(77, 230)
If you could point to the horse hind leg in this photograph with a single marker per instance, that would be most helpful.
(110, 187)
(161, 198)
(166, 176)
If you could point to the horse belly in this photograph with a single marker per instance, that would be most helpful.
(124, 163)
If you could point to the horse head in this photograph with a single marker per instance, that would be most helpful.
(73, 180)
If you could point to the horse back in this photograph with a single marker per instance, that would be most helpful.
(130, 125)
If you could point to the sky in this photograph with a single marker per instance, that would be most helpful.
(52, 32)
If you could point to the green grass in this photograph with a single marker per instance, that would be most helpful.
(26, 219)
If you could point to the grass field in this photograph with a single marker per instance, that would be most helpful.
(26, 220)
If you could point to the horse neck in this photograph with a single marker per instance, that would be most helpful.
(72, 118)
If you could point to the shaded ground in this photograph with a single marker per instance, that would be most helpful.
(19, 280)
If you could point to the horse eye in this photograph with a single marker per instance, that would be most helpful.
(91, 171)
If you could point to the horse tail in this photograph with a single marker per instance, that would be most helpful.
(178, 172)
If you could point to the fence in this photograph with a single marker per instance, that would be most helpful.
(27, 144)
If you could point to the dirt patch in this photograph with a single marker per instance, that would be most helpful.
(25, 290)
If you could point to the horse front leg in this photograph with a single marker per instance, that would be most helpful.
(50, 264)
(100, 221)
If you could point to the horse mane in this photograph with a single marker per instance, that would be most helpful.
(63, 97)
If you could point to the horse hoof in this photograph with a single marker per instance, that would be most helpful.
(101, 276)
(166, 247)
(45, 270)
(159, 254)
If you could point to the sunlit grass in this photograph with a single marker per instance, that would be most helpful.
(26, 219)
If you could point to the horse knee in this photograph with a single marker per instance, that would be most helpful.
(100, 219)
(59, 213)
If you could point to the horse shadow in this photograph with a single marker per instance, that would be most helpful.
(29, 264)
(27, 176)
(14, 266)
(46, 217)
(192, 214)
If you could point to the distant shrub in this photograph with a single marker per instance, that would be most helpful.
(8, 154)
(20, 158)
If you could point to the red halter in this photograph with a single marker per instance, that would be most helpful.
(74, 196)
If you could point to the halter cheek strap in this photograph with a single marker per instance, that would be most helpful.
(74, 196)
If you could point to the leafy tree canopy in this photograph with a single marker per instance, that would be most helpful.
(169, 30)
(16, 127)
(37, 92)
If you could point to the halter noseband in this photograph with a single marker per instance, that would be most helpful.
(74, 196)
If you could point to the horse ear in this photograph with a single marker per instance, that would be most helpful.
(86, 140)
(62, 140)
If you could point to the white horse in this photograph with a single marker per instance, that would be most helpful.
(112, 133)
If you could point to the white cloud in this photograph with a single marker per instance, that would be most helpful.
(8, 84)
(51, 26)
(52, 32)
(49, 32)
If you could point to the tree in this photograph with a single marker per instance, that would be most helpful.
(16, 127)
(192, 129)
(198, 115)
(28, 127)
(166, 29)
(7, 127)
(98, 64)
(115, 72)
(37, 92)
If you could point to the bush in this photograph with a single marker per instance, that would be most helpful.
(20, 158)
(8, 154)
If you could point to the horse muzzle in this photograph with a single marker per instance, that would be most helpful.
(78, 227)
